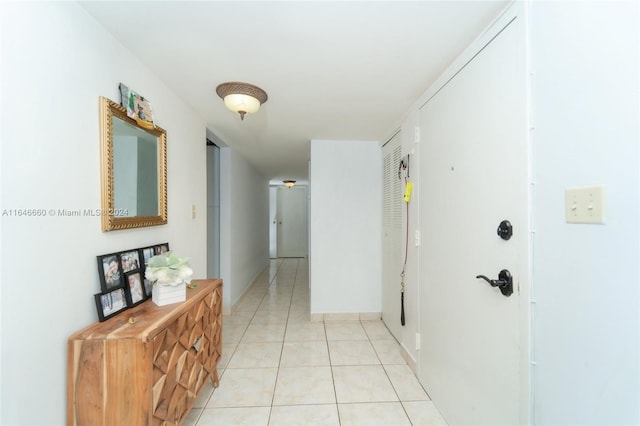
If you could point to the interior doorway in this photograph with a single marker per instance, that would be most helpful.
(291, 222)
(213, 210)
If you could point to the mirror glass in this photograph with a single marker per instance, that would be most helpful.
(133, 171)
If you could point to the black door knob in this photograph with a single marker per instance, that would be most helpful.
(504, 282)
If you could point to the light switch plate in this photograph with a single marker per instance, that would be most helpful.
(585, 204)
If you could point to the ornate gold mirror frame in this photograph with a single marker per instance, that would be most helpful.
(133, 171)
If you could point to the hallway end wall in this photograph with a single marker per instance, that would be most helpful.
(345, 227)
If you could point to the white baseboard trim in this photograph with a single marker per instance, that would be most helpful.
(346, 316)
(411, 362)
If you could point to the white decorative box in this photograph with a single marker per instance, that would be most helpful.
(167, 294)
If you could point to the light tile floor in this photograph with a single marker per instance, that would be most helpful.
(278, 368)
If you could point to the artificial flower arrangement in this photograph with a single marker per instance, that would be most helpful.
(168, 269)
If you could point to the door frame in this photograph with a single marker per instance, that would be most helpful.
(213, 210)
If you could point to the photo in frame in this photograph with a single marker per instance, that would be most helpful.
(161, 248)
(146, 253)
(137, 106)
(130, 260)
(134, 289)
(109, 272)
(148, 287)
(110, 303)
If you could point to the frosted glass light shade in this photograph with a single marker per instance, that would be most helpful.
(237, 103)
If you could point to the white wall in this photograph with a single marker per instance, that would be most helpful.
(56, 62)
(345, 226)
(244, 224)
(586, 278)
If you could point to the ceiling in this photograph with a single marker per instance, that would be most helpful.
(332, 70)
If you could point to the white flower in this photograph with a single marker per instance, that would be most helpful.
(185, 273)
(168, 269)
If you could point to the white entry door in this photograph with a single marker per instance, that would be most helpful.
(474, 174)
(292, 222)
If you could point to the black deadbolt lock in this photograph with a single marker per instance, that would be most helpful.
(505, 230)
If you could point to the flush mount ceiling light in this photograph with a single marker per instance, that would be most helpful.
(289, 183)
(243, 98)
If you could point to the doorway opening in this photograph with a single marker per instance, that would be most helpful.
(213, 209)
(289, 230)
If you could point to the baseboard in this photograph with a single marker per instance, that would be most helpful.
(411, 362)
(346, 316)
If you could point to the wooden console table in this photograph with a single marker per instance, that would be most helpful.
(146, 365)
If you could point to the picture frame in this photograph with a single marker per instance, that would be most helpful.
(137, 106)
(134, 290)
(147, 253)
(110, 272)
(122, 278)
(148, 288)
(161, 248)
(130, 260)
(110, 304)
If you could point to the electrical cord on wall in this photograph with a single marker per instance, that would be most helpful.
(404, 265)
(404, 166)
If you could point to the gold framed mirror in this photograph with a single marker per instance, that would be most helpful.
(133, 171)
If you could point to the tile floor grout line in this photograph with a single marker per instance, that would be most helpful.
(333, 379)
(275, 386)
(241, 337)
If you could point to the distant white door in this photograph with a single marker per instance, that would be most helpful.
(392, 237)
(292, 222)
(474, 174)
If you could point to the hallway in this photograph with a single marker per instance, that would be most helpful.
(278, 368)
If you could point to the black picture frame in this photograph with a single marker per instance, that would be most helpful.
(134, 288)
(111, 303)
(110, 272)
(161, 248)
(148, 287)
(130, 260)
(146, 253)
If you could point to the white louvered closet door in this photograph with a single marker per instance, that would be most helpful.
(391, 234)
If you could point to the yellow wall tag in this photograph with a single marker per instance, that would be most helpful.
(407, 192)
